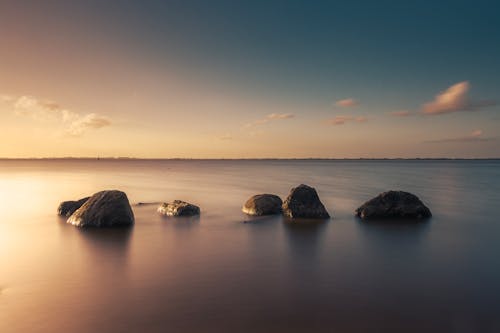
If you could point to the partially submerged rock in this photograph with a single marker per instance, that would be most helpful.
(178, 208)
(104, 209)
(66, 208)
(393, 205)
(263, 204)
(303, 202)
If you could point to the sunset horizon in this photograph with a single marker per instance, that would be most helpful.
(167, 80)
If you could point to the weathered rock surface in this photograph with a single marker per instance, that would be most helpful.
(178, 208)
(392, 205)
(104, 209)
(303, 202)
(66, 208)
(263, 204)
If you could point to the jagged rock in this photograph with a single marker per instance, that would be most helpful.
(104, 209)
(66, 208)
(178, 208)
(303, 202)
(263, 204)
(393, 204)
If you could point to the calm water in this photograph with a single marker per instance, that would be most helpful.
(218, 274)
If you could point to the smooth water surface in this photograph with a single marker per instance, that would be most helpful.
(216, 273)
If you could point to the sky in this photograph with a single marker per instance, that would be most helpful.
(249, 79)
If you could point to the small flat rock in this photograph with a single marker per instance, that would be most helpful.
(104, 209)
(66, 208)
(393, 205)
(178, 208)
(263, 204)
(303, 202)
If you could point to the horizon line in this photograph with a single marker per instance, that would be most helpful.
(249, 159)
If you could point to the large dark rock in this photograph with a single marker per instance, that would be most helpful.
(263, 204)
(104, 209)
(393, 205)
(178, 208)
(303, 202)
(66, 208)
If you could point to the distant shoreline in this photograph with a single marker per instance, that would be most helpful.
(243, 159)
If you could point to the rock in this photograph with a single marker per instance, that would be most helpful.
(104, 209)
(66, 208)
(394, 204)
(303, 202)
(178, 208)
(263, 204)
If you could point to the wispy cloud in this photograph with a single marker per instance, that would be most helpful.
(401, 113)
(31, 106)
(91, 120)
(270, 117)
(474, 136)
(280, 116)
(454, 99)
(75, 124)
(346, 103)
(341, 120)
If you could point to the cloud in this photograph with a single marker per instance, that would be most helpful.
(29, 105)
(49, 105)
(346, 103)
(474, 136)
(75, 124)
(402, 113)
(91, 120)
(341, 120)
(454, 99)
(270, 117)
(280, 116)
(25, 102)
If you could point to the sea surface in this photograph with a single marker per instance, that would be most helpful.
(217, 273)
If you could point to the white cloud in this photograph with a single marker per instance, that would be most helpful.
(91, 120)
(38, 109)
(270, 117)
(68, 116)
(26, 102)
(346, 103)
(280, 116)
(341, 120)
(453, 99)
(75, 124)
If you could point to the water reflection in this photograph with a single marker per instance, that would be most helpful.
(389, 232)
(395, 256)
(115, 239)
(181, 222)
(106, 250)
(304, 239)
(216, 273)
